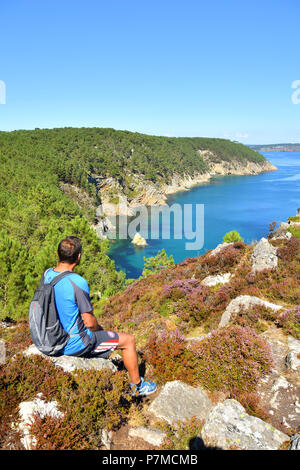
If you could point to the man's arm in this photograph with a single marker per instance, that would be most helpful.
(90, 321)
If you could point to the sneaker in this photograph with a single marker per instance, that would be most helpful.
(145, 388)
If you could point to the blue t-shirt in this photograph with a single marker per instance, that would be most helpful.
(72, 299)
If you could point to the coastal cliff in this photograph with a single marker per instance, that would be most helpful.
(115, 200)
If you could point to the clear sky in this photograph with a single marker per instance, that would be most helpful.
(220, 68)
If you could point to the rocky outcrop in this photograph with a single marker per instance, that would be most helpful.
(179, 401)
(154, 437)
(71, 363)
(215, 280)
(279, 391)
(228, 426)
(244, 301)
(219, 248)
(27, 410)
(292, 359)
(2, 352)
(264, 256)
(118, 199)
(138, 240)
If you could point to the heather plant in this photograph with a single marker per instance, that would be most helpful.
(180, 434)
(290, 249)
(95, 402)
(257, 317)
(169, 357)
(89, 401)
(289, 320)
(232, 359)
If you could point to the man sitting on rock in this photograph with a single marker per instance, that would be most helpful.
(87, 338)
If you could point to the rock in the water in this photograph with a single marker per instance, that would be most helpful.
(264, 256)
(138, 240)
(71, 363)
(244, 301)
(178, 401)
(229, 426)
(155, 437)
(214, 280)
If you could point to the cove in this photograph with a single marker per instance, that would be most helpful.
(247, 204)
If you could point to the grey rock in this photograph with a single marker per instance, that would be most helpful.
(71, 363)
(219, 248)
(264, 256)
(295, 442)
(292, 360)
(244, 301)
(26, 411)
(228, 426)
(155, 437)
(279, 390)
(2, 352)
(106, 438)
(214, 280)
(178, 401)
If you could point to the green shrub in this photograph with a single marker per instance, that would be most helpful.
(232, 359)
(232, 236)
(169, 358)
(180, 434)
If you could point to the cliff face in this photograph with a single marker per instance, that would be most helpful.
(115, 198)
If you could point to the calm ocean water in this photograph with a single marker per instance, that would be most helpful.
(243, 203)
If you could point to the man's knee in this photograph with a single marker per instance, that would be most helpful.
(126, 340)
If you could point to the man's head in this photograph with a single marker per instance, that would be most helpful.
(69, 250)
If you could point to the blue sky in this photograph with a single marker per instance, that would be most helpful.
(222, 68)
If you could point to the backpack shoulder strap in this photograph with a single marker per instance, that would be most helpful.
(59, 277)
(43, 276)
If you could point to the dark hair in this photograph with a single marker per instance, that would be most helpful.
(69, 249)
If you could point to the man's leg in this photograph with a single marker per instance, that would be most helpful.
(128, 348)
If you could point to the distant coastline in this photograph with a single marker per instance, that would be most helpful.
(276, 148)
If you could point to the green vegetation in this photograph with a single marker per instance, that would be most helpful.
(71, 153)
(232, 236)
(90, 403)
(155, 263)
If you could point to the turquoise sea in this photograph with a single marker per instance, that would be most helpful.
(247, 204)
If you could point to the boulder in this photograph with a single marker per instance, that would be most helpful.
(155, 437)
(71, 363)
(217, 279)
(138, 240)
(292, 359)
(264, 256)
(279, 391)
(2, 352)
(178, 401)
(219, 248)
(228, 426)
(244, 301)
(26, 411)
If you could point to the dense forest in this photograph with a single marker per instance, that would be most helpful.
(36, 214)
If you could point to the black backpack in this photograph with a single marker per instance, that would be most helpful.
(46, 330)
